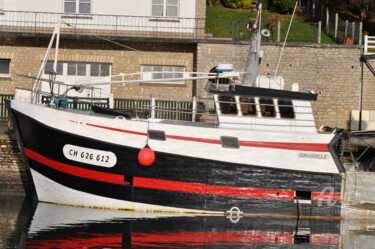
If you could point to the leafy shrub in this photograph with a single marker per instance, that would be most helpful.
(273, 20)
(284, 6)
(238, 4)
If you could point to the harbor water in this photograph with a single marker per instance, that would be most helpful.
(24, 224)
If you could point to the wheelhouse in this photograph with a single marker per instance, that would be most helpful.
(265, 109)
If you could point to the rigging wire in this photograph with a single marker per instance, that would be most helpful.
(105, 39)
(286, 37)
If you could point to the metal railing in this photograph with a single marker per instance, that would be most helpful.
(163, 109)
(80, 103)
(301, 32)
(3, 109)
(369, 47)
(103, 25)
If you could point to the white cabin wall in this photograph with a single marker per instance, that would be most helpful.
(107, 7)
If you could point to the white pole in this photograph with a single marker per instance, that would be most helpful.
(57, 46)
(194, 109)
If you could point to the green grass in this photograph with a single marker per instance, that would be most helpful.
(230, 23)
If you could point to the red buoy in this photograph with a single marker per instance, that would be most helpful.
(146, 156)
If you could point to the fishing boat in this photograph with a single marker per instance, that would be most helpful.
(262, 155)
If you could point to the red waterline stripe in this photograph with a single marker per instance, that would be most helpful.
(316, 147)
(199, 188)
(325, 196)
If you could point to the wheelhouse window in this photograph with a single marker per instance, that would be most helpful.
(286, 108)
(77, 6)
(267, 108)
(4, 67)
(157, 72)
(248, 106)
(167, 8)
(227, 105)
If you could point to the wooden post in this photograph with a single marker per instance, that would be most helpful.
(353, 30)
(278, 31)
(336, 24)
(319, 32)
(360, 33)
(327, 20)
(313, 9)
(346, 28)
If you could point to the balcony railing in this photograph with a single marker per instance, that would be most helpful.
(102, 25)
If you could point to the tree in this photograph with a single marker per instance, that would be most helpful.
(284, 6)
(364, 8)
(238, 4)
(210, 3)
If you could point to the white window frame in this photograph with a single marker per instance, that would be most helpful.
(62, 69)
(5, 61)
(151, 72)
(77, 6)
(165, 5)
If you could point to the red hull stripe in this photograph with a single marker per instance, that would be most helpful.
(315, 147)
(76, 171)
(186, 187)
(325, 196)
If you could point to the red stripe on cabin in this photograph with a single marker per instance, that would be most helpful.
(316, 147)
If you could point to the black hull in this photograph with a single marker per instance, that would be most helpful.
(44, 146)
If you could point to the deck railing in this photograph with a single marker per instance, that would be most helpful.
(81, 103)
(103, 25)
(160, 109)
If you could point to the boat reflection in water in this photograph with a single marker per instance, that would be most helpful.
(54, 226)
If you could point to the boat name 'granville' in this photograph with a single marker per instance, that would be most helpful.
(313, 156)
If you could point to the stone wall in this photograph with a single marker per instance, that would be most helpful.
(27, 55)
(334, 72)
(12, 172)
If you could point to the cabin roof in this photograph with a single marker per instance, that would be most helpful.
(270, 93)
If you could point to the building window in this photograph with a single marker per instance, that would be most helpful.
(4, 67)
(286, 108)
(99, 70)
(49, 67)
(156, 72)
(168, 8)
(267, 108)
(77, 6)
(79, 69)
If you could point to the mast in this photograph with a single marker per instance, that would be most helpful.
(252, 63)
